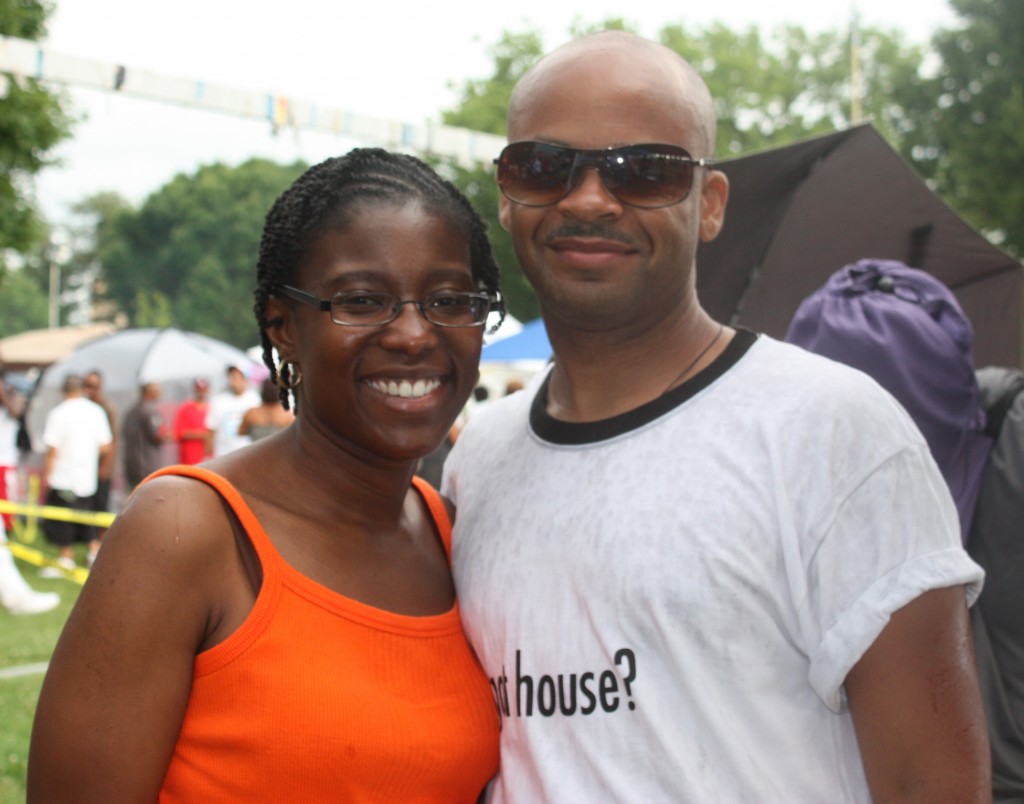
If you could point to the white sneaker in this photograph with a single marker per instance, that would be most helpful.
(35, 603)
(56, 570)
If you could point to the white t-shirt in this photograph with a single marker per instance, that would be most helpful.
(667, 603)
(224, 417)
(8, 439)
(76, 428)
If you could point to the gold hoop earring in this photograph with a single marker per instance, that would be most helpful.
(294, 375)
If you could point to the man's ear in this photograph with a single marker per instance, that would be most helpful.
(713, 198)
(504, 211)
(280, 328)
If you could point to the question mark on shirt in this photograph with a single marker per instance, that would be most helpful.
(627, 654)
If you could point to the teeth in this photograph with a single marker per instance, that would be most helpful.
(404, 388)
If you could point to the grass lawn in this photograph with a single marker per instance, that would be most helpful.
(25, 639)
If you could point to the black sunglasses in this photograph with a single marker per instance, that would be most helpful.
(538, 174)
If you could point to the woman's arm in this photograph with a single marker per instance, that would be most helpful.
(116, 691)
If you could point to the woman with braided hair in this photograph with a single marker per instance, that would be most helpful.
(280, 623)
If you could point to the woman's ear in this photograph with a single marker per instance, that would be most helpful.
(280, 328)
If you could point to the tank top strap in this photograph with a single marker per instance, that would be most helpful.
(265, 550)
(435, 504)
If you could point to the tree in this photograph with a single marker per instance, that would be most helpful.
(79, 239)
(483, 107)
(24, 302)
(973, 137)
(32, 122)
(188, 255)
(795, 85)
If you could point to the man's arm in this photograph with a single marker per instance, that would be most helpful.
(154, 428)
(106, 460)
(916, 707)
(48, 463)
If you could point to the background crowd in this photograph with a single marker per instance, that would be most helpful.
(90, 447)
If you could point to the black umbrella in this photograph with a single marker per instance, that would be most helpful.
(798, 213)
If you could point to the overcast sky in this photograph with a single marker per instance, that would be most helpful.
(392, 59)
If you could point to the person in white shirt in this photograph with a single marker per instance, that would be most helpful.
(696, 563)
(15, 594)
(76, 435)
(226, 411)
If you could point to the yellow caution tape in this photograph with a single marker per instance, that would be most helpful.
(100, 519)
(40, 559)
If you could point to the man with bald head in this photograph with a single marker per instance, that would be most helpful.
(696, 563)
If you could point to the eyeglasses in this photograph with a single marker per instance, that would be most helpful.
(538, 174)
(377, 309)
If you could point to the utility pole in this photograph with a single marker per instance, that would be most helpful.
(856, 79)
(57, 251)
(54, 319)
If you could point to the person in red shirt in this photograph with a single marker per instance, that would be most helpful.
(190, 426)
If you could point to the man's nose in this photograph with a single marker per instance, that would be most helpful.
(589, 197)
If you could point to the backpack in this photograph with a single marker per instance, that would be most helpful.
(904, 328)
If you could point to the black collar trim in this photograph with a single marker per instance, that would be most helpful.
(556, 431)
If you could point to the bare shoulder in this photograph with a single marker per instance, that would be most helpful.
(179, 518)
(168, 554)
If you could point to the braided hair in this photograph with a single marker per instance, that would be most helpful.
(327, 195)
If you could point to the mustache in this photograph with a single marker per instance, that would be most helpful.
(598, 231)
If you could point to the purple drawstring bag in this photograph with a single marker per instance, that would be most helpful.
(906, 330)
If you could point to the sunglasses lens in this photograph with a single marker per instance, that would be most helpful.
(649, 175)
(537, 174)
(534, 173)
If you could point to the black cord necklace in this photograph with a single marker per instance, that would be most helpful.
(696, 360)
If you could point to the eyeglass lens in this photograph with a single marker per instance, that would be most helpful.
(540, 174)
(443, 309)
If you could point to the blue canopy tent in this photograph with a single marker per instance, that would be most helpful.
(530, 343)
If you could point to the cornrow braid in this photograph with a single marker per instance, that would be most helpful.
(327, 194)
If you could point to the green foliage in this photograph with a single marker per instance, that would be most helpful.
(483, 107)
(974, 137)
(24, 302)
(794, 85)
(580, 27)
(482, 191)
(24, 19)
(187, 257)
(153, 309)
(484, 103)
(32, 122)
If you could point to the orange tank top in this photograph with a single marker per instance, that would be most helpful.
(317, 697)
